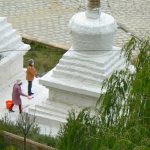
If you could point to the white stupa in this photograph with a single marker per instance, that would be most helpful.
(12, 50)
(76, 80)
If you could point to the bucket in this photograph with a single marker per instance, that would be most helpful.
(8, 104)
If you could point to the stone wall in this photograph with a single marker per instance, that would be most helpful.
(18, 141)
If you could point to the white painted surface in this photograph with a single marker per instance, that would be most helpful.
(76, 80)
(92, 34)
(13, 49)
(82, 75)
(94, 13)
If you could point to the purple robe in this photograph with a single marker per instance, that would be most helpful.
(16, 95)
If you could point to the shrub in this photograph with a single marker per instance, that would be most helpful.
(121, 118)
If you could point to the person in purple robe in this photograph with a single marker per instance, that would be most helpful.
(16, 96)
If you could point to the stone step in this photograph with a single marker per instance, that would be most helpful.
(5, 28)
(14, 43)
(60, 107)
(76, 76)
(23, 47)
(111, 63)
(3, 21)
(55, 108)
(48, 130)
(85, 74)
(51, 111)
(92, 72)
(82, 66)
(93, 67)
(48, 114)
(67, 84)
(99, 60)
(8, 35)
(76, 62)
(117, 66)
(80, 71)
(46, 119)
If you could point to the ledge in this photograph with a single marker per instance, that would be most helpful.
(15, 139)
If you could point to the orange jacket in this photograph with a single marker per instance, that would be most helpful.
(30, 73)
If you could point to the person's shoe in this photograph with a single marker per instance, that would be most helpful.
(30, 94)
(11, 111)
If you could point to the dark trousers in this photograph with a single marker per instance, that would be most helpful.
(29, 87)
(20, 108)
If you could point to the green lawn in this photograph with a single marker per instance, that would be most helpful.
(45, 57)
(34, 134)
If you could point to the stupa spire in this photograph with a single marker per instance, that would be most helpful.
(93, 9)
(93, 4)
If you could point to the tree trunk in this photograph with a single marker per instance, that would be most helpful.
(25, 143)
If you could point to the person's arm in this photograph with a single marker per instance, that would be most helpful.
(32, 70)
(21, 93)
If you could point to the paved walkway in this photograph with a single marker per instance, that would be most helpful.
(47, 20)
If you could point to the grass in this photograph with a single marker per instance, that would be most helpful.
(7, 125)
(2, 143)
(45, 57)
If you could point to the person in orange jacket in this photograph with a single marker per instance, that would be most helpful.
(30, 74)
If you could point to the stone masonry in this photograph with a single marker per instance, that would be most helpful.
(47, 20)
